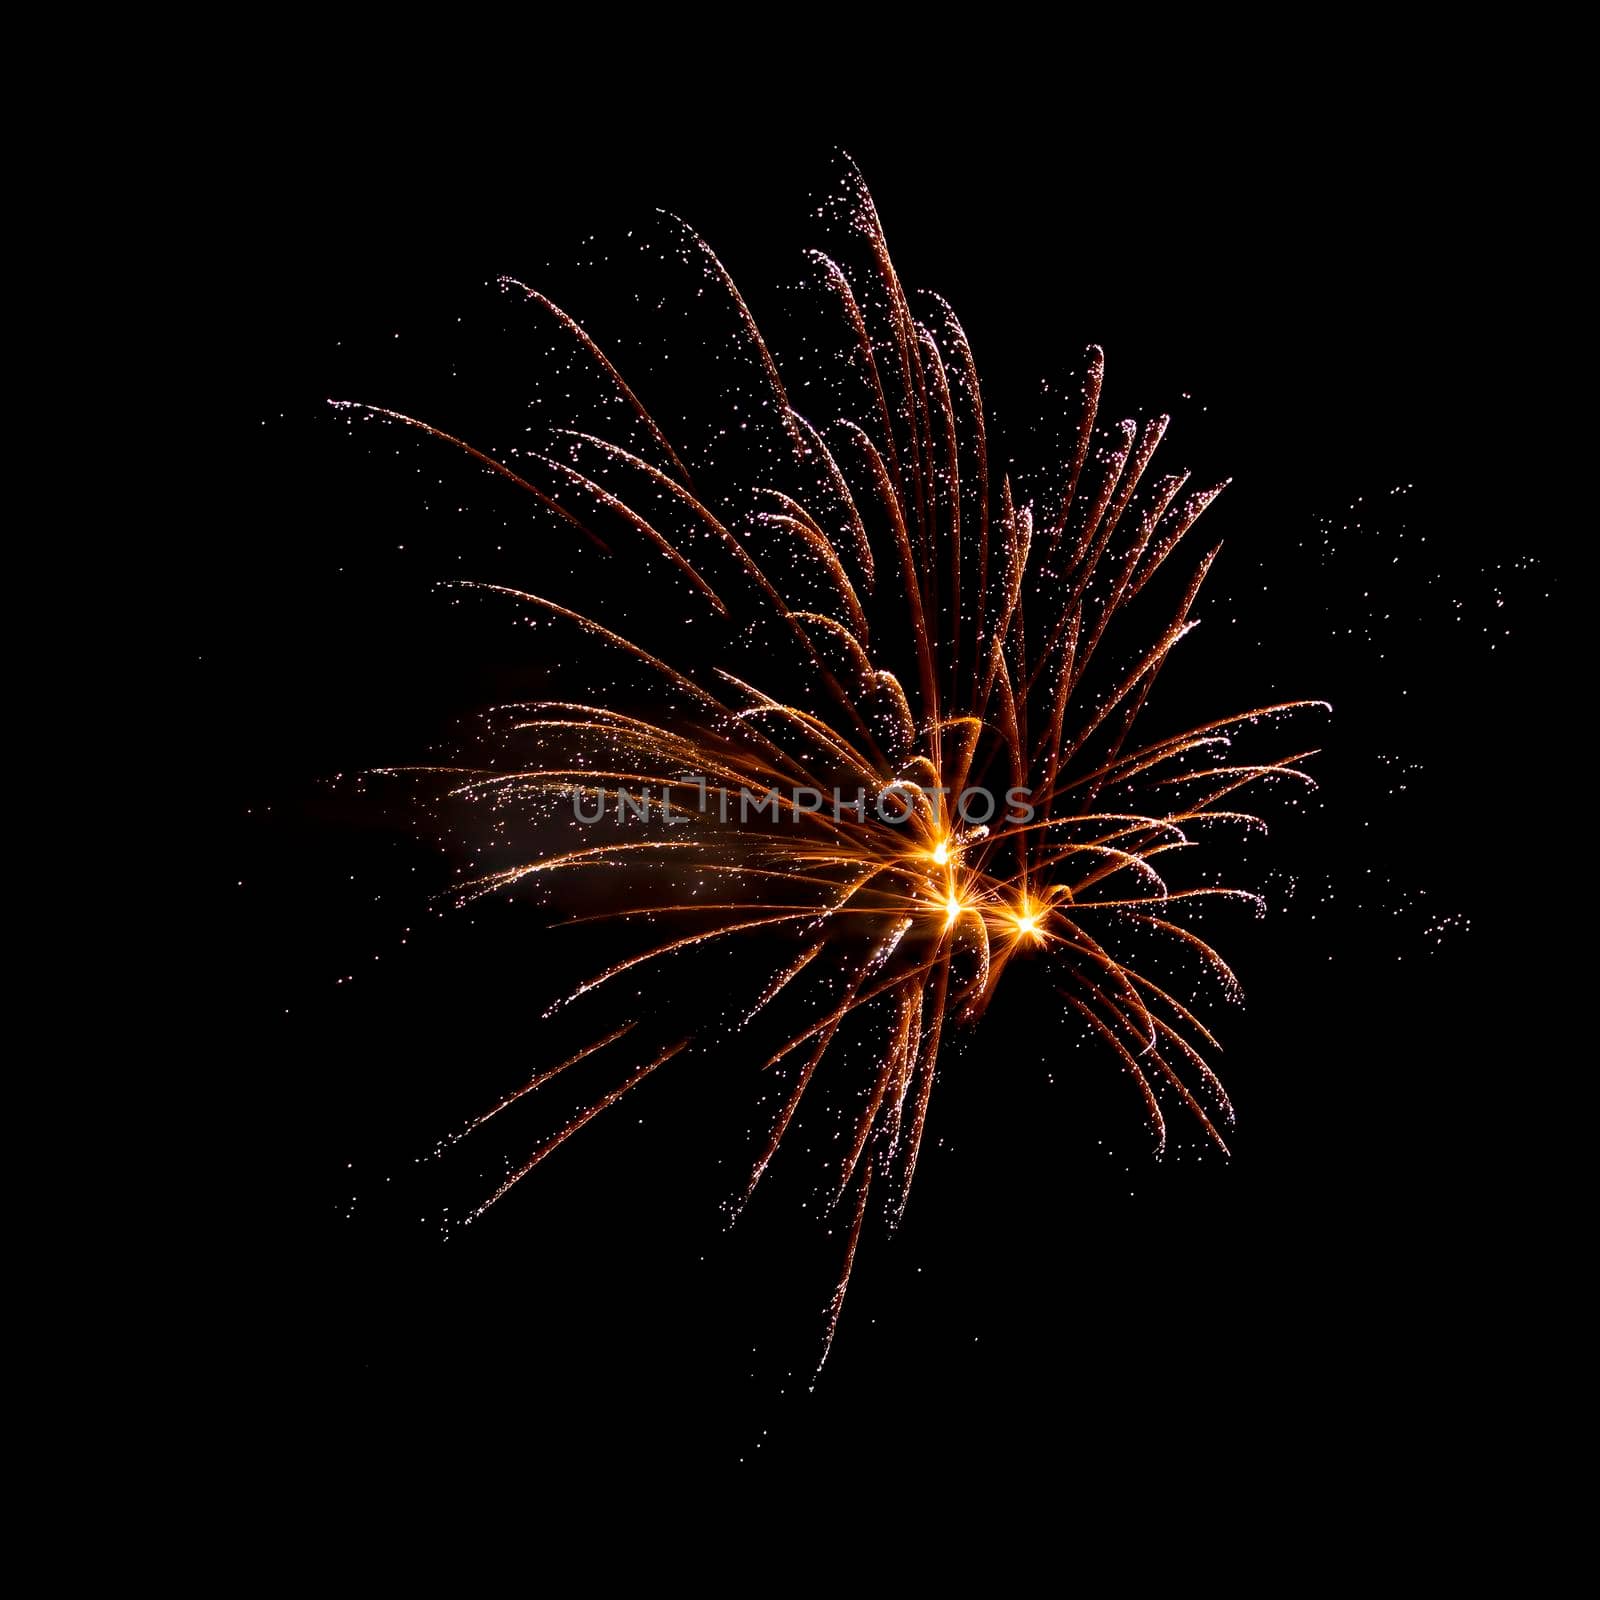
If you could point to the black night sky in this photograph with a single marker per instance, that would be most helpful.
(1325, 331)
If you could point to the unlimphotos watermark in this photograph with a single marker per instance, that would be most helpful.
(896, 803)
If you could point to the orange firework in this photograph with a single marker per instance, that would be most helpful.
(939, 636)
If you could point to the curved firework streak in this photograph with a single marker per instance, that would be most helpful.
(896, 509)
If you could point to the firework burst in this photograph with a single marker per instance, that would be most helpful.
(886, 639)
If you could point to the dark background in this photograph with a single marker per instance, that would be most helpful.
(1338, 311)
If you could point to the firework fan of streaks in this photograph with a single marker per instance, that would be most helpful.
(932, 631)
